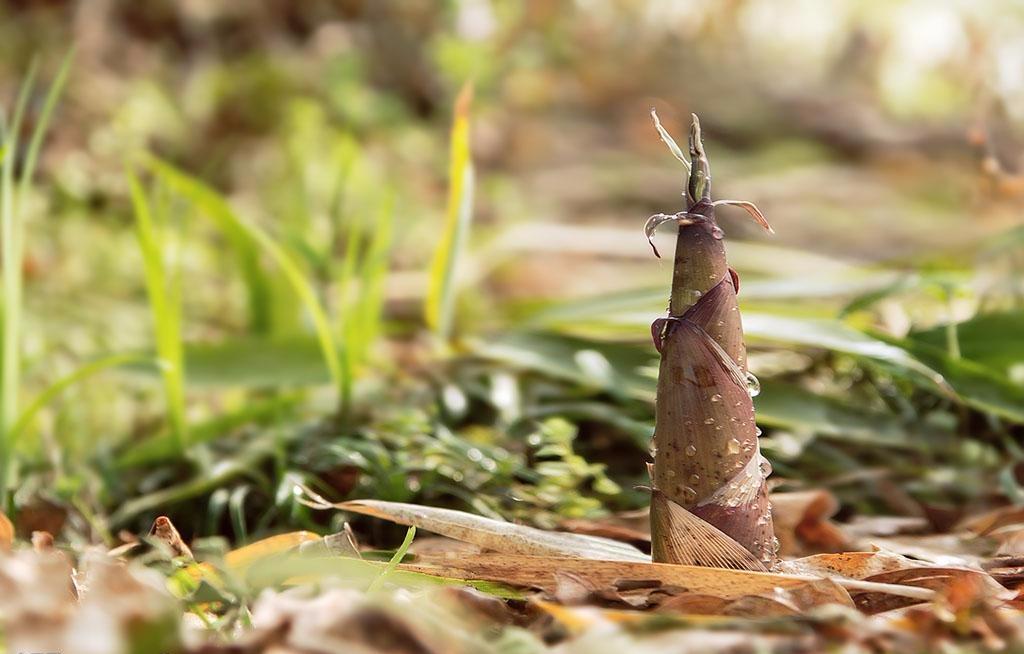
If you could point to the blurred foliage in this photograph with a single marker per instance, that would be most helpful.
(298, 154)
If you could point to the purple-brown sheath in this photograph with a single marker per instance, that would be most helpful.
(708, 475)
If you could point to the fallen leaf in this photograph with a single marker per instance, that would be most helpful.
(164, 531)
(541, 572)
(6, 532)
(802, 523)
(486, 532)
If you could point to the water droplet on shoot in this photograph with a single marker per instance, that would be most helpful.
(694, 479)
(689, 494)
(716, 397)
(691, 450)
(734, 446)
(709, 421)
(753, 385)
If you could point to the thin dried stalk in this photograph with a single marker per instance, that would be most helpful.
(705, 450)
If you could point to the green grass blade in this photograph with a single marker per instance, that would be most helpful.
(369, 310)
(395, 560)
(52, 391)
(217, 209)
(440, 302)
(165, 308)
(12, 235)
(214, 206)
(43, 123)
(11, 227)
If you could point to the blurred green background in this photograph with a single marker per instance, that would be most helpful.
(247, 206)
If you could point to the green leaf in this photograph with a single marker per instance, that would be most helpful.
(163, 289)
(161, 446)
(977, 385)
(990, 339)
(218, 209)
(622, 370)
(395, 560)
(791, 407)
(440, 301)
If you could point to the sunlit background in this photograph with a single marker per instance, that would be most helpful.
(882, 139)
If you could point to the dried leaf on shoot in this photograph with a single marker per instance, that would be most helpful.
(690, 540)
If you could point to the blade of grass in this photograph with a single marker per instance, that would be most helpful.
(11, 228)
(366, 316)
(165, 307)
(56, 388)
(12, 235)
(440, 302)
(216, 208)
(395, 560)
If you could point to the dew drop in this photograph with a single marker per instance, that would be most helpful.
(717, 397)
(691, 450)
(753, 385)
(766, 466)
(689, 494)
(734, 446)
(694, 479)
(757, 431)
(709, 421)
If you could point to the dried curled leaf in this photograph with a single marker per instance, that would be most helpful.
(659, 219)
(164, 531)
(750, 208)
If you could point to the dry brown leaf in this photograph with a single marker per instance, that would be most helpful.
(541, 572)
(987, 522)
(891, 568)
(485, 532)
(952, 550)
(854, 565)
(42, 541)
(631, 528)
(865, 527)
(802, 523)
(164, 531)
(1011, 541)
(6, 533)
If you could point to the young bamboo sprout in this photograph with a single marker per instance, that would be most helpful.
(710, 501)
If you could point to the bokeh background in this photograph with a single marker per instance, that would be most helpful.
(882, 139)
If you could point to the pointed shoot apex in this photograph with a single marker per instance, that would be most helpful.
(696, 144)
